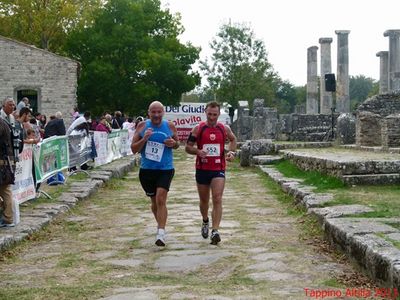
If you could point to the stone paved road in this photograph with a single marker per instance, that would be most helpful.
(104, 249)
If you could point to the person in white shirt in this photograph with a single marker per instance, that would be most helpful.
(23, 103)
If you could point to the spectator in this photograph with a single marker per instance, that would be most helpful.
(75, 113)
(93, 124)
(7, 153)
(80, 123)
(23, 103)
(117, 121)
(102, 125)
(31, 137)
(138, 120)
(128, 124)
(42, 121)
(109, 120)
(35, 127)
(23, 120)
(55, 126)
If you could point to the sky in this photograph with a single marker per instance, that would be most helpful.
(289, 27)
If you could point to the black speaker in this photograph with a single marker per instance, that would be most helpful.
(330, 82)
(231, 111)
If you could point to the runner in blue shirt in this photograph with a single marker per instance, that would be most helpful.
(154, 139)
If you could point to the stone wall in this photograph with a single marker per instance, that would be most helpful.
(54, 77)
(309, 128)
(265, 123)
(373, 128)
(391, 131)
(243, 126)
(265, 120)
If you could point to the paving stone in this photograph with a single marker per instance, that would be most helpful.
(268, 256)
(272, 276)
(190, 262)
(394, 236)
(316, 200)
(339, 211)
(268, 265)
(124, 262)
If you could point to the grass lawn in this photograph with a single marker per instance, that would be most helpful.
(383, 199)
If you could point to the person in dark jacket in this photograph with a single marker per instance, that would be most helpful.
(55, 126)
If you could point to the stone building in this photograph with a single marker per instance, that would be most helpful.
(47, 79)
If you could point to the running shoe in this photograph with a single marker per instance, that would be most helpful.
(215, 238)
(160, 239)
(4, 224)
(205, 227)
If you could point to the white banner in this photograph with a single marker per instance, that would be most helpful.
(111, 146)
(24, 188)
(187, 115)
(100, 141)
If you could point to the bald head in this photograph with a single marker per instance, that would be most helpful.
(156, 104)
(156, 112)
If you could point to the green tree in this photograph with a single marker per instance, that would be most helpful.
(239, 68)
(44, 23)
(130, 56)
(361, 88)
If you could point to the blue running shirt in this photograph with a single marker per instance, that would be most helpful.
(155, 155)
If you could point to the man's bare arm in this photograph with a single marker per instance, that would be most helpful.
(190, 144)
(137, 141)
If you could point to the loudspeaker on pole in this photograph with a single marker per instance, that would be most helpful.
(330, 82)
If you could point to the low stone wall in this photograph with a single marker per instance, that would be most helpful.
(341, 168)
(251, 148)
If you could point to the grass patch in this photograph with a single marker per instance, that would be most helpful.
(382, 199)
(332, 282)
(383, 236)
(275, 189)
(320, 181)
(395, 225)
(114, 184)
(69, 260)
(79, 176)
(71, 226)
(310, 227)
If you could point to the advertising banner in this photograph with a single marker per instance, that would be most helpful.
(24, 188)
(111, 146)
(80, 149)
(51, 156)
(188, 115)
(100, 141)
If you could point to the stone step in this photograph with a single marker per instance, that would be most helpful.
(372, 179)
(266, 159)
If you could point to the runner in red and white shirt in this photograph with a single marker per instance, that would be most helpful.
(207, 142)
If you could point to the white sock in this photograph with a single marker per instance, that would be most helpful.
(161, 231)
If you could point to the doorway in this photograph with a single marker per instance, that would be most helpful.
(32, 95)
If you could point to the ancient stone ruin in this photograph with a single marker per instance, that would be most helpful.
(378, 121)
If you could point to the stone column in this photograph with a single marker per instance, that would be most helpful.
(394, 58)
(312, 81)
(343, 81)
(383, 71)
(325, 97)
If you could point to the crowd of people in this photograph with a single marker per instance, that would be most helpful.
(154, 138)
(19, 125)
